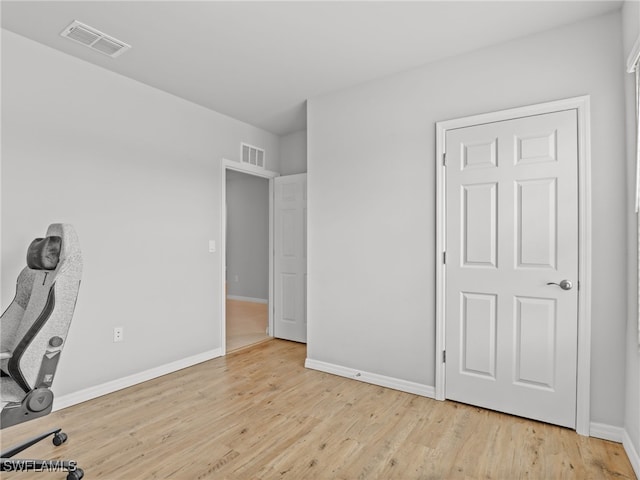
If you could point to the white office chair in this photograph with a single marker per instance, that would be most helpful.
(33, 332)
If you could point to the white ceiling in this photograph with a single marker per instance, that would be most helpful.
(259, 61)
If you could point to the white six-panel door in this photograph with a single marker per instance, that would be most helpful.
(290, 262)
(511, 233)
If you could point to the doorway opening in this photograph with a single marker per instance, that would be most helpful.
(246, 260)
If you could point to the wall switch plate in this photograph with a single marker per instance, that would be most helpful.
(212, 246)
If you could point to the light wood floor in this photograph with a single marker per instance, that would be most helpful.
(246, 323)
(259, 414)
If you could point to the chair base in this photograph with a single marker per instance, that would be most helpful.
(9, 464)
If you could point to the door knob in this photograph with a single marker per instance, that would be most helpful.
(564, 284)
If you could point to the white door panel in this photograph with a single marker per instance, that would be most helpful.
(479, 227)
(290, 267)
(511, 228)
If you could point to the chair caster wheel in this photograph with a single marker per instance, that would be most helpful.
(77, 474)
(59, 438)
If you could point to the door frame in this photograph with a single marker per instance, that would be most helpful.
(582, 106)
(258, 172)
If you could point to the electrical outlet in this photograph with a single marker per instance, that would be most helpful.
(118, 334)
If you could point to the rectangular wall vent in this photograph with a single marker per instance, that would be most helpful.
(94, 39)
(252, 155)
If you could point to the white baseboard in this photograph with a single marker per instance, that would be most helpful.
(619, 435)
(632, 453)
(247, 299)
(109, 387)
(606, 432)
(374, 378)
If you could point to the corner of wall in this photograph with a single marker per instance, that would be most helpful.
(632, 452)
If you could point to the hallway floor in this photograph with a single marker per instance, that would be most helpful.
(246, 323)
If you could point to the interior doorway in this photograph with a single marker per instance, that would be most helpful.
(247, 259)
(246, 254)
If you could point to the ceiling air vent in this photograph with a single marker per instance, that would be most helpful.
(94, 39)
(252, 155)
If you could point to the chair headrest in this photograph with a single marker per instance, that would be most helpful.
(44, 253)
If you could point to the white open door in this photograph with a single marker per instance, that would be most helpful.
(511, 297)
(290, 263)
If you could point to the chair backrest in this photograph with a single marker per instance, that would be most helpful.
(35, 325)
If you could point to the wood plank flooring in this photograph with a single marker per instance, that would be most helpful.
(246, 323)
(259, 414)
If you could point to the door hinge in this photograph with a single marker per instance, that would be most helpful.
(444, 257)
(444, 159)
(444, 356)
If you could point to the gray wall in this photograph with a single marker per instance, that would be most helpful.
(247, 236)
(137, 171)
(631, 31)
(293, 153)
(372, 199)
